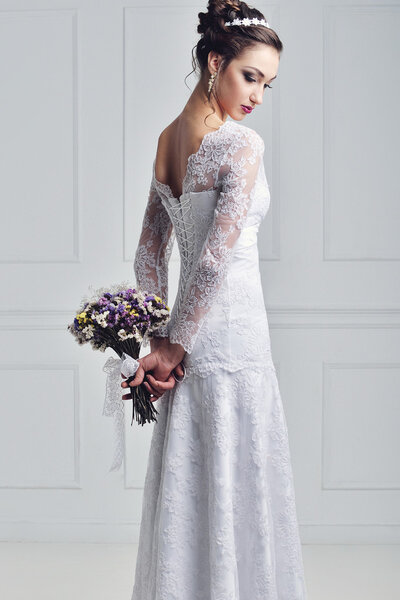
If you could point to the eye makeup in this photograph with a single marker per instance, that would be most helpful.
(249, 78)
(260, 73)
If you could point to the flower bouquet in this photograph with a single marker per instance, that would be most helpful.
(121, 317)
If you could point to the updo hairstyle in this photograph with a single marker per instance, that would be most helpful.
(231, 40)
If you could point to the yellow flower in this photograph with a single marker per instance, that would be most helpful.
(82, 317)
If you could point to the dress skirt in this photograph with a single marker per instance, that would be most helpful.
(218, 515)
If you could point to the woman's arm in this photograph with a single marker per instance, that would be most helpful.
(153, 252)
(151, 271)
(239, 171)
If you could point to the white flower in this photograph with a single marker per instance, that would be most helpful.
(246, 21)
(101, 318)
(88, 331)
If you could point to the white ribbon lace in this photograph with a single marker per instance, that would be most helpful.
(114, 404)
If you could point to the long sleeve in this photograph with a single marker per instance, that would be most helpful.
(153, 252)
(238, 177)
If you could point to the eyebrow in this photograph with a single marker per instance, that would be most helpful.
(258, 71)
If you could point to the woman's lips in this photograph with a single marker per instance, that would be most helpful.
(247, 109)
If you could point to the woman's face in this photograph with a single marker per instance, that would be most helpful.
(245, 80)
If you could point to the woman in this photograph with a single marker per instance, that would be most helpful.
(218, 517)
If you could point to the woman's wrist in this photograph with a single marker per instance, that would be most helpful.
(173, 354)
(158, 342)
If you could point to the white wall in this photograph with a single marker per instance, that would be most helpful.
(86, 88)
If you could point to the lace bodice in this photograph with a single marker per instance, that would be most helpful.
(225, 196)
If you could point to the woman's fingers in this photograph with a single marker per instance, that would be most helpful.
(139, 376)
(179, 370)
(149, 388)
(154, 386)
(146, 363)
(160, 386)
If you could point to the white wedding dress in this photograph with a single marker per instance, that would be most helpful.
(218, 515)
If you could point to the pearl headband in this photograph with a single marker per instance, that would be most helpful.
(247, 22)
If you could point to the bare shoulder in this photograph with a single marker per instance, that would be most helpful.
(166, 135)
(170, 129)
(164, 143)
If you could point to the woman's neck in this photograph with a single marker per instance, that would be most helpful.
(198, 107)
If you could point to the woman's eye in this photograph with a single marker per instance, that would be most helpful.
(253, 80)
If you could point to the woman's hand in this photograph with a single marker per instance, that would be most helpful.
(156, 368)
(153, 386)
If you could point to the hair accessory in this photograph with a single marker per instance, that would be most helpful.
(247, 22)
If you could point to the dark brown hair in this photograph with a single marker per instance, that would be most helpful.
(229, 41)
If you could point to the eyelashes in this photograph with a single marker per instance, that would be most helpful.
(248, 78)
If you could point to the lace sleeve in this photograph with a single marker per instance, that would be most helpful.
(238, 175)
(153, 253)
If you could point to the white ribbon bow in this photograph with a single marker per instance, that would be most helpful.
(114, 404)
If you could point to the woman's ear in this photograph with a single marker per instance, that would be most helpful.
(214, 60)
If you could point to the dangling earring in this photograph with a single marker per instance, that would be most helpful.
(211, 81)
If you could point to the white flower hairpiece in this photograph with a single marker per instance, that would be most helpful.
(247, 22)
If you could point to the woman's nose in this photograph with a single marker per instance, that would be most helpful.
(257, 98)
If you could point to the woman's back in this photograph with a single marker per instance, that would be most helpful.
(215, 219)
(180, 141)
(177, 142)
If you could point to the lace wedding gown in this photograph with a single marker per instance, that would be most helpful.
(218, 515)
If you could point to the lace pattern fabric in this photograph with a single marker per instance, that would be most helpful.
(218, 517)
(240, 165)
(154, 251)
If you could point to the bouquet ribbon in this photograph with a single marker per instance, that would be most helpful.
(114, 404)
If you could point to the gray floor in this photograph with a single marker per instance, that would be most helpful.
(38, 571)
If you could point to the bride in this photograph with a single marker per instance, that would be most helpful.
(218, 515)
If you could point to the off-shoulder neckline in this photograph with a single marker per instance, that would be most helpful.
(191, 157)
